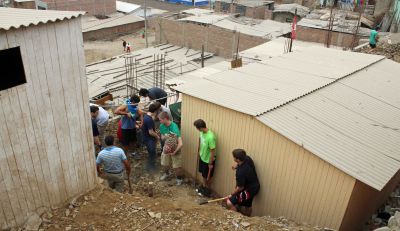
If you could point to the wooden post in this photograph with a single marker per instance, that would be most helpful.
(202, 56)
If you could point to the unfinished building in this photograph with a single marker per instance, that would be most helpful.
(46, 142)
(259, 9)
(220, 34)
(323, 134)
(92, 7)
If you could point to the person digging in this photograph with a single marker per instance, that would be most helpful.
(207, 154)
(171, 153)
(247, 184)
(113, 160)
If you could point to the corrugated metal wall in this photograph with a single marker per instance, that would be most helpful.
(294, 183)
(46, 142)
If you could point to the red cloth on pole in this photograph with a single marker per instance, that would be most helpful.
(294, 24)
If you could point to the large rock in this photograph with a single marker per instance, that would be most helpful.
(33, 223)
(383, 229)
(394, 221)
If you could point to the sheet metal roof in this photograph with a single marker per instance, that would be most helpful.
(16, 18)
(260, 87)
(126, 7)
(197, 11)
(350, 124)
(249, 3)
(342, 106)
(91, 23)
(302, 11)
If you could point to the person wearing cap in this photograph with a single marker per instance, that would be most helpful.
(129, 113)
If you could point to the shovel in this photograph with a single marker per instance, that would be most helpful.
(212, 201)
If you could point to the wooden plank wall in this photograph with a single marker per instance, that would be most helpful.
(46, 144)
(294, 182)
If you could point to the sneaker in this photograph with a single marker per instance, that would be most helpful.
(165, 176)
(179, 182)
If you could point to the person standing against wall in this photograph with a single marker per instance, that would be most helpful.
(207, 155)
(247, 184)
(150, 138)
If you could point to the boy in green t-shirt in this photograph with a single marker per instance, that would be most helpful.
(171, 154)
(207, 154)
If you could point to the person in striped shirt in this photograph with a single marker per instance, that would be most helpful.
(113, 160)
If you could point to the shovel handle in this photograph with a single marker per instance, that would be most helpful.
(212, 201)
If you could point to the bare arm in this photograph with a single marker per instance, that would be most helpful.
(127, 167)
(178, 148)
(97, 140)
(122, 110)
(237, 190)
(212, 156)
(153, 134)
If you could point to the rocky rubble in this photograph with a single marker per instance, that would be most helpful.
(391, 51)
(393, 223)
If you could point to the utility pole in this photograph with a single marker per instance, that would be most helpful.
(353, 44)
(202, 56)
(145, 24)
(293, 30)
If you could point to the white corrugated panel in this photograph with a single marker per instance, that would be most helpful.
(126, 7)
(15, 18)
(259, 87)
(354, 128)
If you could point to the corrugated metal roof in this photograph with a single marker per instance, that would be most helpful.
(349, 124)
(116, 19)
(260, 87)
(16, 18)
(302, 11)
(352, 123)
(197, 11)
(126, 7)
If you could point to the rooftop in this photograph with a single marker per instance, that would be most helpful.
(255, 27)
(126, 7)
(306, 97)
(16, 18)
(249, 3)
(91, 23)
(110, 75)
(302, 11)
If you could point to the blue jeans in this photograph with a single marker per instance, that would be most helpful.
(151, 145)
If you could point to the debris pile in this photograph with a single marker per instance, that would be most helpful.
(103, 209)
(391, 51)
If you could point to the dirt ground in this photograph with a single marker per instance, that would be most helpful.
(103, 49)
(154, 205)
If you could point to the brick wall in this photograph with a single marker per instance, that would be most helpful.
(112, 32)
(93, 7)
(268, 14)
(217, 40)
(318, 35)
(256, 12)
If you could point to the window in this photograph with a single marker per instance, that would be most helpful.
(12, 68)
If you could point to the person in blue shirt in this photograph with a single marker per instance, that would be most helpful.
(129, 112)
(113, 160)
(373, 37)
(150, 137)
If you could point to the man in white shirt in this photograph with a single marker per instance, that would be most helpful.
(100, 116)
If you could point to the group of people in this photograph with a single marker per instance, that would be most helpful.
(156, 124)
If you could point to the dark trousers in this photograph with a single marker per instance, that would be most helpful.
(151, 145)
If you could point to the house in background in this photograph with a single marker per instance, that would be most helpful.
(92, 7)
(46, 142)
(324, 135)
(286, 12)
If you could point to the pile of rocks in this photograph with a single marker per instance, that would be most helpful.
(393, 223)
(391, 51)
